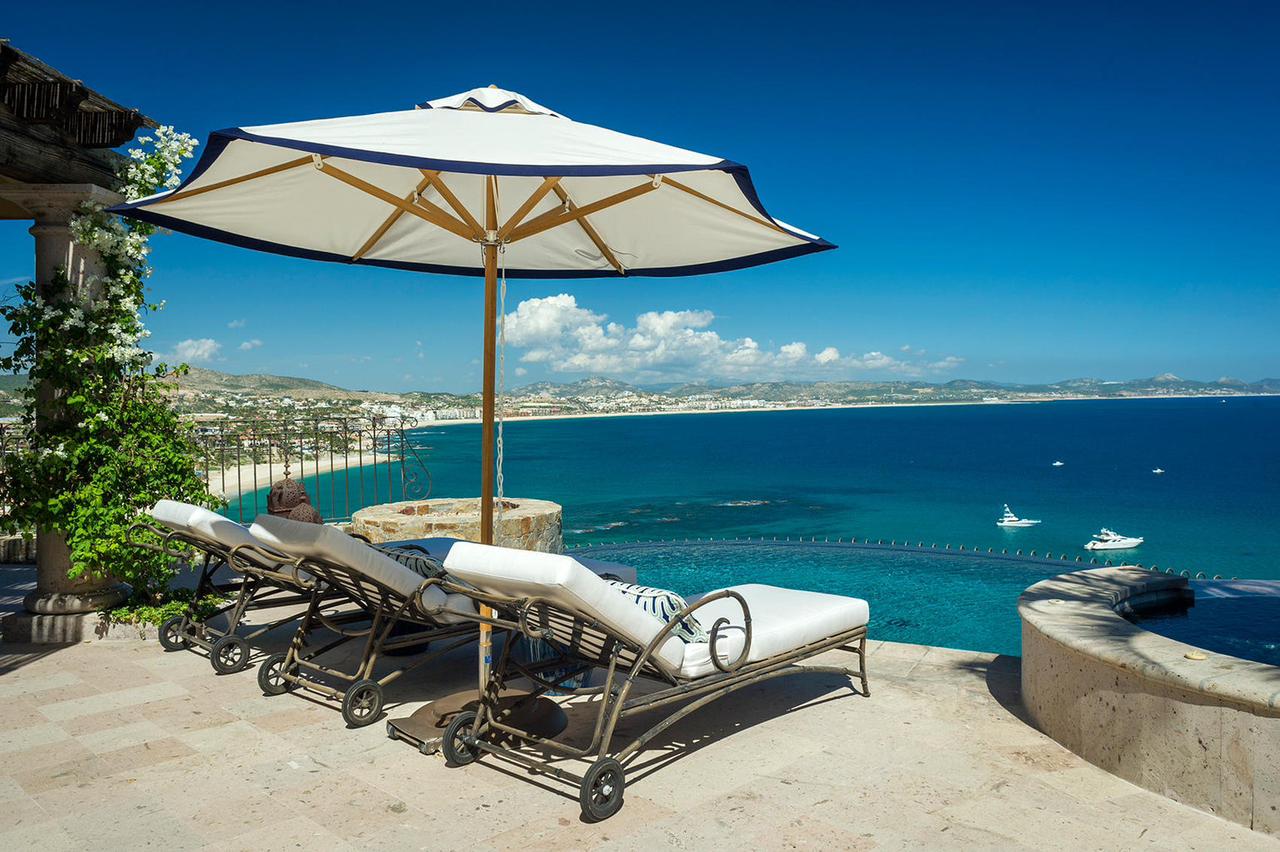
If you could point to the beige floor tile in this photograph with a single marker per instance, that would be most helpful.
(128, 697)
(33, 736)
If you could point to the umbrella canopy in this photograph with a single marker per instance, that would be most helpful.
(450, 185)
(409, 190)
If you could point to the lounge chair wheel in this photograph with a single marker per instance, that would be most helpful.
(229, 655)
(171, 636)
(362, 704)
(455, 749)
(271, 675)
(601, 791)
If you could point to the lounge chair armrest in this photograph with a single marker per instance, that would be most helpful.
(166, 536)
(236, 559)
(720, 624)
(680, 616)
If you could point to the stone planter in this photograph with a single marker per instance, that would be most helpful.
(523, 523)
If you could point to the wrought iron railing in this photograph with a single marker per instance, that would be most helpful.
(345, 463)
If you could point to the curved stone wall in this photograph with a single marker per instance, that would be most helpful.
(1198, 727)
(524, 523)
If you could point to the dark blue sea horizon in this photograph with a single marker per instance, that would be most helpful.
(937, 474)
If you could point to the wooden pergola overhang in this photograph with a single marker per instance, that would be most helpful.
(55, 130)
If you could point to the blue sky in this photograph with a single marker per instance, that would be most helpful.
(1021, 191)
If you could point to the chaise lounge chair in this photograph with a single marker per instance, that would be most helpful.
(758, 633)
(258, 579)
(406, 608)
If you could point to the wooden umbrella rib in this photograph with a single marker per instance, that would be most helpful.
(459, 227)
(386, 225)
(433, 177)
(529, 203)
(591, 232)
(555, 218)
(282, 167)
(707, 198)
(432, 214)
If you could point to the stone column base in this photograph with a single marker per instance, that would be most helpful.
(63, 603)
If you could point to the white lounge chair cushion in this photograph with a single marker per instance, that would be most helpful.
(201, 524)
(172, 514)
(331, 544)
(563, 580)
(782, 620)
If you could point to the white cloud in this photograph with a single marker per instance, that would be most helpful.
(793, 352)
(250, 344)
(237, 323)
(202, 349)
(557, 332)
(521, 371)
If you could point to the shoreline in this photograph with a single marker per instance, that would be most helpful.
(473, 421)
(250, 476)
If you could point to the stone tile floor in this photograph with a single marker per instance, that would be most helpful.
(117, 744)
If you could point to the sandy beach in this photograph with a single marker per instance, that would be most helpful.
(249, 477)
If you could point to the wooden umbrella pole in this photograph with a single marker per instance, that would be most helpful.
(487, 406)
(487, 402)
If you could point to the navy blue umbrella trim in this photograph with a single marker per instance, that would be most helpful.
(159, 219)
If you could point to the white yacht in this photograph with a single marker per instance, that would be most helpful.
(1112, 540)
(1157, 471)
(1058, 463)
(1009, 519)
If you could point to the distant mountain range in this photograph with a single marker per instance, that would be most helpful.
(203, 381)
(1166, 383)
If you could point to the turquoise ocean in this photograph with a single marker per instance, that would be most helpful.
(931, 474)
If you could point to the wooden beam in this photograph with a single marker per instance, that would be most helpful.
(529, 203)
(272, 170)
(386, 225)
(437, 182)
(436, 217)
(707, 198)
(555, 218)
(591, 232)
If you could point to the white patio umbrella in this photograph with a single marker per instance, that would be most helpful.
(464, 184)
(450, 185)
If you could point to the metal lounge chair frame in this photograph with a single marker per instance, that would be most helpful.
(256, 587)
(384, 609)
(583, 644)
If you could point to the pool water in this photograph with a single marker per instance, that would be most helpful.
(1244, 624)
(955, 600)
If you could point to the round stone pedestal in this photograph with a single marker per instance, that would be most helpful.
(522, 523)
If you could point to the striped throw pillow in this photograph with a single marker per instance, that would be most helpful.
(663, 605)
(415, 560)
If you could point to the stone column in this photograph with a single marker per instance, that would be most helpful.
(52, 206)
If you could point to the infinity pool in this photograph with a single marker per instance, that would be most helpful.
(947, 598)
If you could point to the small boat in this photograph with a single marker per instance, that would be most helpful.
(1058, 464)
(1009, 519)
(1157, 471)
(1112, 540)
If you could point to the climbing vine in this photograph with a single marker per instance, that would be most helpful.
(102, 441)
